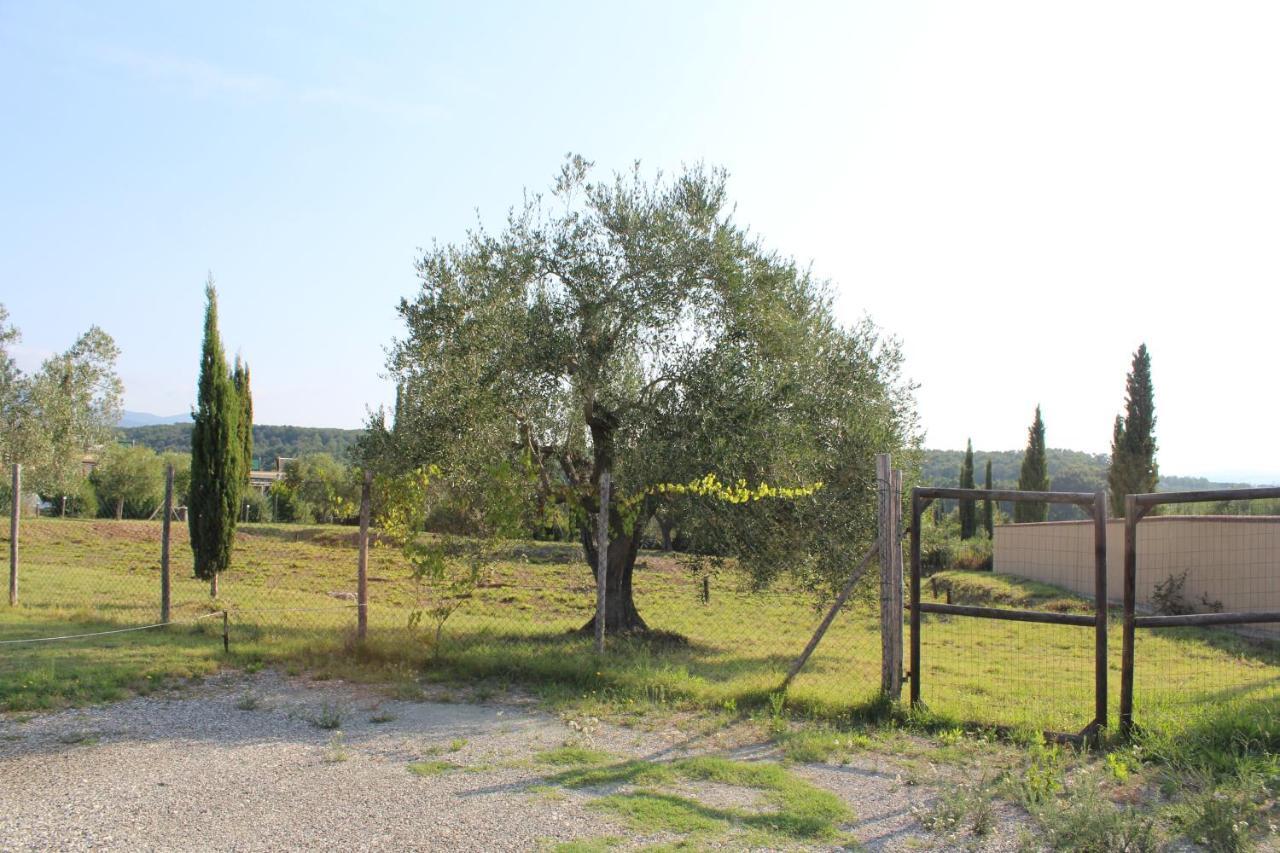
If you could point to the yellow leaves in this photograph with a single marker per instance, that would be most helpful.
(737, 493)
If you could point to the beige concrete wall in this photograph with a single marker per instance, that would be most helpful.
(1234, 560)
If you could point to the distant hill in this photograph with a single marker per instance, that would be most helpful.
(268, 441)
(1069, 471)
(137, 419)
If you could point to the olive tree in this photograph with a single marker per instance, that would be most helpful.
(631, 326)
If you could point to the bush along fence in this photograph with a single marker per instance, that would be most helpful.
(313, 589)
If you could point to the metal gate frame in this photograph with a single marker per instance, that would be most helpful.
(1137, 507)
(1095, 505)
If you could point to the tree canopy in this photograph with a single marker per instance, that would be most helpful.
(632, 326)
(51, 419)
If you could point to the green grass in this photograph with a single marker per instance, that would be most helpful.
(431, 768)
(795, 809)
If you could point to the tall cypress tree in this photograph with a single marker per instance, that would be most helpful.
(968, 508)
(216, 447)
(1133, 437)
(1034, 476)
(988, 507)
(240, 378)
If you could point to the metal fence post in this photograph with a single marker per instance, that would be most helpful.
(1100, 607)
(916, 512)
(1130, 602)
(602, 559)
(14, 516)
(362, 574)
(164, 544)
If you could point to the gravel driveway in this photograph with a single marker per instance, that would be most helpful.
(246, 763)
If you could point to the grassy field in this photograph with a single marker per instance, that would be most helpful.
(289, 602)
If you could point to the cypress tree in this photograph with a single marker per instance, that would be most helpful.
(968, 508)
(1034, 476)
(240, 378)
(1133, 439)
(216, 467)
(988, 507)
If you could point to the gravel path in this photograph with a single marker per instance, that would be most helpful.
(245, 763)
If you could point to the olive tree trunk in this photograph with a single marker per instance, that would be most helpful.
(620, 614)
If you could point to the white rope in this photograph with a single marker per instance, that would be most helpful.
(104, 633)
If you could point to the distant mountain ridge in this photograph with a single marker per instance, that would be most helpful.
(137, 419)
(268, 441)
(1069, 470)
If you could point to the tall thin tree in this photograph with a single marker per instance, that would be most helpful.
(1034, 476)
(1133, 438)
(240, 378)
(988, 507)
(968, 508)
(216, 447)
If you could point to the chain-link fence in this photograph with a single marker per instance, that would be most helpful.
(292, 594)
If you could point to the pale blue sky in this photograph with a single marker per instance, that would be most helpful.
(1086, 175)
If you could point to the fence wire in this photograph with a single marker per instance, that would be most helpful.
(290, 595)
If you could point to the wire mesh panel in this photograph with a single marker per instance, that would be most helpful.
(1205, 608)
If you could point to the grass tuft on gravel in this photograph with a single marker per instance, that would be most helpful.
(800, 810)
(431, 768)
(565, 756)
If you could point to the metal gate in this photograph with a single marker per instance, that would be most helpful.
(1094, 505)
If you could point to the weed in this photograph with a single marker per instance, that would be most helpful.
(1087, 821)
(337, 749)
(1220, 820)
(457, 744)
(329, 717)
(568, 755)
(82, 738)
(959, 809)
(820, 744)
(249, 702)
(431, 768)
(1042, 779)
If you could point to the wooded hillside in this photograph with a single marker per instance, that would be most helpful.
(268, 441)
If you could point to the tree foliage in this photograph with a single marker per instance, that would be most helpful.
(1034, 476)
(632, 326)
(968, 508)
(244, 426)
(129, 480)
(51, 420)
(216, 467)
(1133, 439)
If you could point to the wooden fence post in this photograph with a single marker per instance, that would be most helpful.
(14, 516)
(602, 559)
(890, 576)
(164, 544)
(362, 574)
